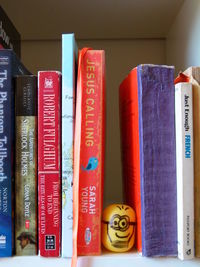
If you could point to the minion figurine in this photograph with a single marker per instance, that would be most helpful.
(118, 227)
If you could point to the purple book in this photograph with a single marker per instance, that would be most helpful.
(157, 160)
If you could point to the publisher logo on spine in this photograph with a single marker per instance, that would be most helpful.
(88, 236)
(2, 241)
(48, 83)
(50, 242)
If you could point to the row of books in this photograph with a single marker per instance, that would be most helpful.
(44, 153)
(56, 133)
(159, 117)
(51, 162)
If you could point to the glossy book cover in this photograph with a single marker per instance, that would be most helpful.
(9, 67)
(69, 65)
(26, 165)
(49, 171)
(89, 163)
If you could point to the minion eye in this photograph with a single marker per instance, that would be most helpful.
(123, 223)
(115, 221)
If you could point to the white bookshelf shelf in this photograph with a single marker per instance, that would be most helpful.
(106, 260)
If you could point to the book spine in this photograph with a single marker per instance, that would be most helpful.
(26, 166)
(49, 188)
(157, 160)
(69, 54)
(194, 74)
(6, 152)
(9, 36)
(129, 124)
(196, 136)
(91, 153)
(184, 170)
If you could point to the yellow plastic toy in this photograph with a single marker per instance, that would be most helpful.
(118, 227)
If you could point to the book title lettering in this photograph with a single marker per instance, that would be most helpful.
(187, 110)
(53, 204)
(42, 205)
(3, 140)
(90, 103)
(49, 140)
(3, 77)
(187, 128)
(24, 147)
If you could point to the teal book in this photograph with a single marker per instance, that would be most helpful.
(69, 62)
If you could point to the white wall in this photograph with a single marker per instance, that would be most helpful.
(183, 40)
(121, 57)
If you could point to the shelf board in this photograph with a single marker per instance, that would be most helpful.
(105, 260)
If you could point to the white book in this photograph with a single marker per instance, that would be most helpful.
(184, 170)
(69, 58)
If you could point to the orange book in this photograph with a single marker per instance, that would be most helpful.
(129, 119)
(89, 153)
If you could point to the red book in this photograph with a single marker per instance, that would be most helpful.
(49, 187)
(129, 119)
(89, 152)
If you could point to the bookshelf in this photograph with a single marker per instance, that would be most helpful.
(131, 33)
(106, 260)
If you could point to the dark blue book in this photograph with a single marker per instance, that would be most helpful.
(9, 36)
(157, 160)
(9, 67)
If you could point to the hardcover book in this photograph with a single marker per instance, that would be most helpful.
(9, 36)
(184, 169)
(9, 67)
(49, 173)
(89, 151)
(69, 62)
(26, 165)
(154, 166)
(130, 150)
(194, 77)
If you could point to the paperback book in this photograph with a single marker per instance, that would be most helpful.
(194, 77)
(89, 151)
(49, 172)
(184, 169)
(9, 67)
(26, 165)
(69, 64)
